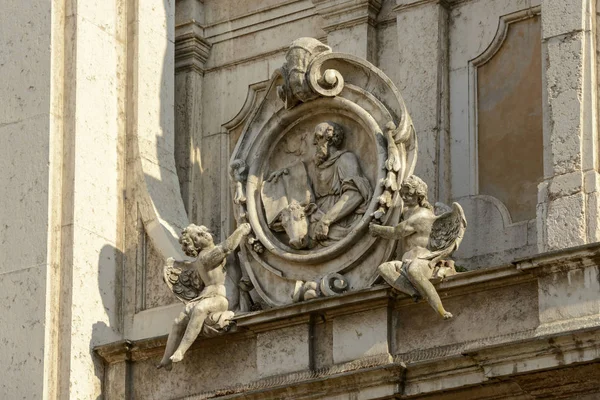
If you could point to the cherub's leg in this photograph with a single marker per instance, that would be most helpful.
(173, 341)
(390, 272)
(194, 327)
(420, 280)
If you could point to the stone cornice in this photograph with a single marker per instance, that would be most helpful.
(340, 14)
(258, 20)
(560, 260)
(497, 362)
(115, 352)
(402, 5)
(522, 270)
(191, 48)
(368, 372)
(487, 360)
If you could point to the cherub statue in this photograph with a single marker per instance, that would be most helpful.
(200, 285)
(427, 240)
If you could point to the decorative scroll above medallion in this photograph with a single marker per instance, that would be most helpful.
(322, 157)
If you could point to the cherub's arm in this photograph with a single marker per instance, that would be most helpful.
(214, 257)
(234, 240)
(386, 232)
(404, 229)
(392, 232)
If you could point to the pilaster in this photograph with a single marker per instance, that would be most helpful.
(350, 25)
(567, 211)
(423, 81)
(191, 53)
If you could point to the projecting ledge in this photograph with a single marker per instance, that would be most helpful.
(530, 316)
(488, 279)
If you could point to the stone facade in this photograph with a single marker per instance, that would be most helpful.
(120, 119)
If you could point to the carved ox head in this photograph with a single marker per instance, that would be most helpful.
(294, 221)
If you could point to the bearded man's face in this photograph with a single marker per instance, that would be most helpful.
(321, 141)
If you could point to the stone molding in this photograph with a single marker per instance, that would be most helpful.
(341, 14)
(501, 362)
(561, 260)
(477, 362)
(250, 103)
(503, 26)
(191, 48)
(249, 23)
(522, 270)
(342, 378)
(488, 361)
(402, 5)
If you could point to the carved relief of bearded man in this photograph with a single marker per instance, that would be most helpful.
(342, 192)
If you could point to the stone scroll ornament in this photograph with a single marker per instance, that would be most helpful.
(322, 157)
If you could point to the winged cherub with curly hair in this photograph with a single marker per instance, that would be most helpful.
(427, 240)
(200, 285)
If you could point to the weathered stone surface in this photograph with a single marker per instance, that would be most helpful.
(563, 17)
(568, 295)
(281, 351)
(22, 338)
(24, 165)
(87, 158)
(360, 335)
(319, 168)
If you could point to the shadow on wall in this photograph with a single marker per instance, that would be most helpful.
(110, 286)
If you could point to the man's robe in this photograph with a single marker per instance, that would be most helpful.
(340, 173)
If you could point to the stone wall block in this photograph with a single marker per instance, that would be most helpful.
(428, 150)
(25, 59)
(563, 123)
(24, 179)
(159, 15)
(513, 309)
(206, 367)
(418, 39)
(565, 224)
(423, 81)
(23, 299)
(571, 294)
(560, 17)
(360, 335)
(283, 350)
(565, 185)
(156, 80)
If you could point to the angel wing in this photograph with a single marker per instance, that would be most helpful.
(440, 208)
(183, 280)
(447, 232)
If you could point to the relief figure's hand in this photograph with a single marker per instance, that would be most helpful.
(274, 176)
(321, 230)
(374, 229)
(245, 228)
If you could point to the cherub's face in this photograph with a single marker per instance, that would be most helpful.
(203, 239)
(187, 245)
(193, 242)
(409, 196)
